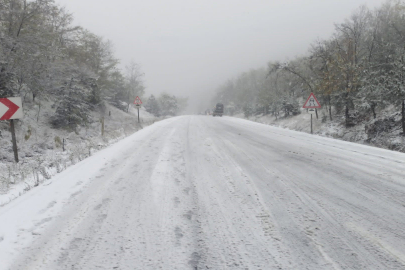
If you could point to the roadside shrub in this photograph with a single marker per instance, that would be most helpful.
(58, 142)
(28, 134)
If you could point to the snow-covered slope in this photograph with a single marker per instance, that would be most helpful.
(197, 192)
(387, 123)
(41, 146)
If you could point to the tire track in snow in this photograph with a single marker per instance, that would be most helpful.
(204, 193)
(297, 182)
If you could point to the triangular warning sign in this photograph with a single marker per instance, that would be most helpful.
(312, 102)
(137, 101)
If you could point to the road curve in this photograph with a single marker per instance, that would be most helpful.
(198, 192)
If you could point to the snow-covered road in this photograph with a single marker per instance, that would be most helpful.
(197, 192)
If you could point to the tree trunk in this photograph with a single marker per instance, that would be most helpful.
(330, 108)
(316, 112)
(39, 110)
(102, 126)
(25, 97)
(347, 112)
(403, 117)
(373, 110)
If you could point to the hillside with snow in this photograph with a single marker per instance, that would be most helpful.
(385, 131)
(45, 151)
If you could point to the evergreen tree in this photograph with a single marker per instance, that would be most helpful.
(72, 110)
(168, 105)
(152, 106)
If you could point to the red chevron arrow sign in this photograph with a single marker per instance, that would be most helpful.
(11, 108)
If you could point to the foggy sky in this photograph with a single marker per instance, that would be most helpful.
(189, 47)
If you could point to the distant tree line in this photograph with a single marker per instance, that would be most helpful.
(356, 73)
(43, 55)
(166, 105)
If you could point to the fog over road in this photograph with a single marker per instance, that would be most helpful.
(198, 192)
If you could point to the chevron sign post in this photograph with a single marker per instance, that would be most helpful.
(10, 109)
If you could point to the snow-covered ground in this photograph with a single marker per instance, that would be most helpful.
(390, 138)
(41, 147)
(198, 192)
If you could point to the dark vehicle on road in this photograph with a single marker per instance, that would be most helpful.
(219, 110)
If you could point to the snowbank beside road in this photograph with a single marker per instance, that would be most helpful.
(41, 147)
(388, 139)
(22, 222)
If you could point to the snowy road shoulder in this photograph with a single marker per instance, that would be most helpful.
(24, 219)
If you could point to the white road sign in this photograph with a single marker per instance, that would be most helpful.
(11, 108)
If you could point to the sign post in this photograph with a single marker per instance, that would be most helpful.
(10, 109)
(138, 104)
(15, 150)
(311, 104)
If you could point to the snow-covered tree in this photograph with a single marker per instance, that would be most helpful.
(358, 70)
(8, 83)
(134, 82)
(152, 106)
(72, 110)
(182, 103)
(168, 104)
